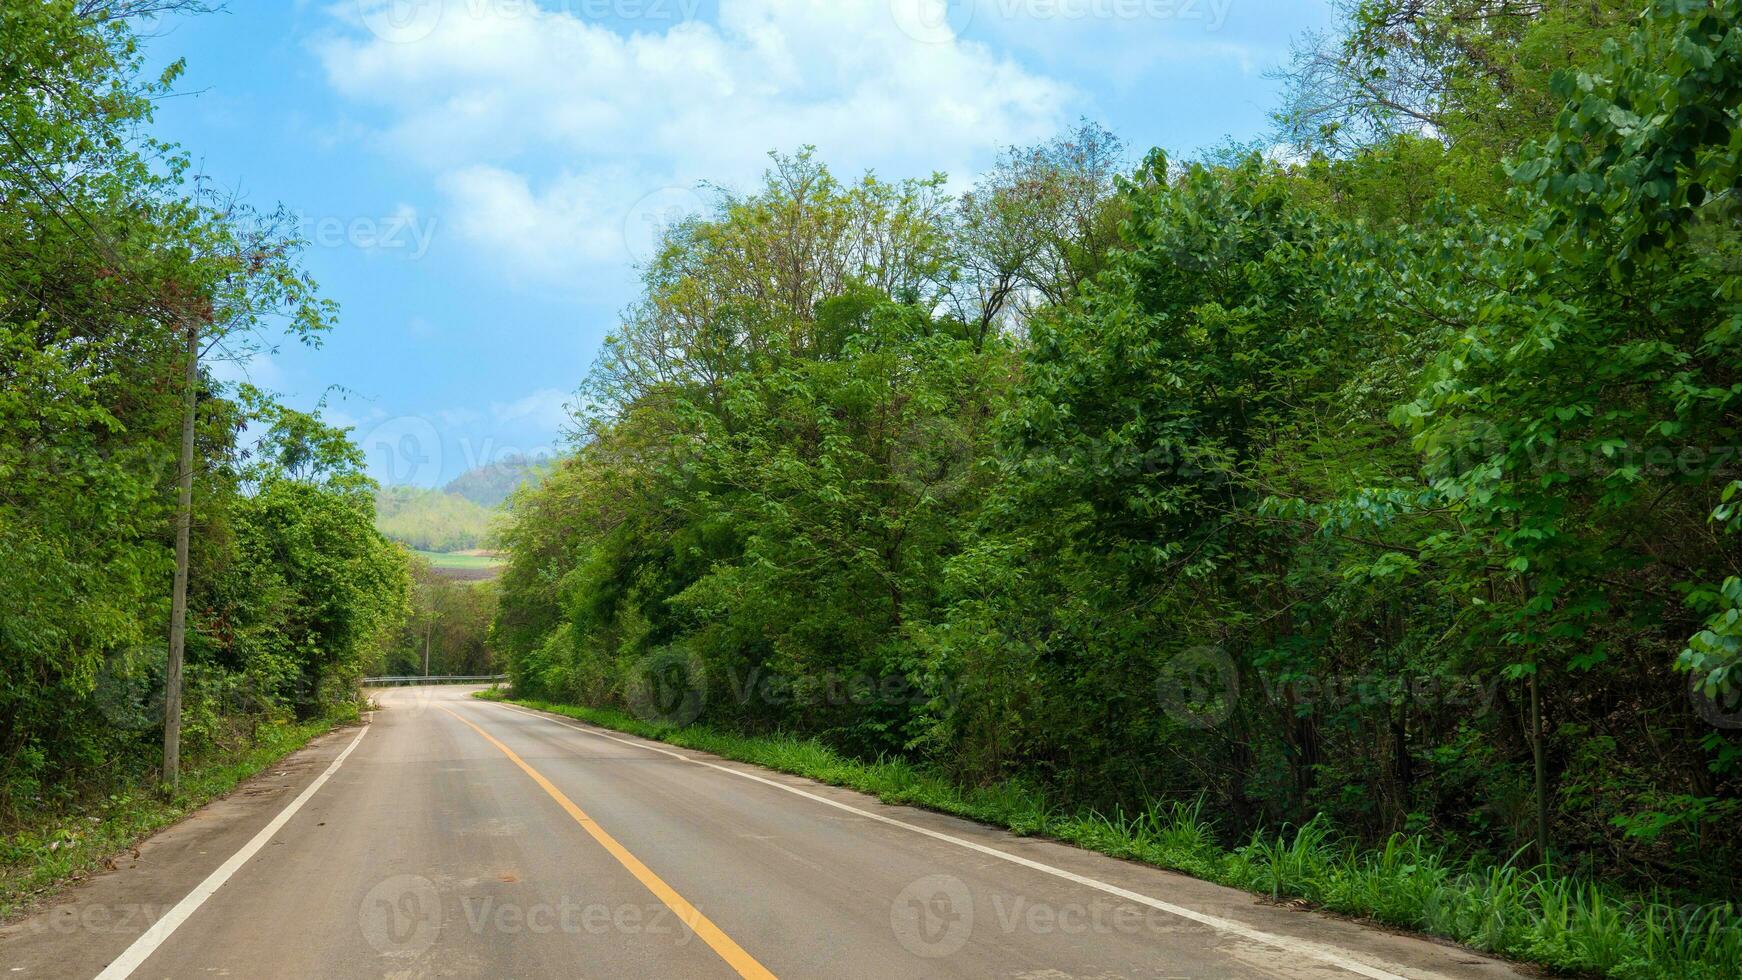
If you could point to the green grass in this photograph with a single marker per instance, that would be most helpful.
(1524, 913)
(53, 850)
(458, 560)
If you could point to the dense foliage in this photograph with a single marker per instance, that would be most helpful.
(433, 520)
(446, 631)
(1393, 479)
(109, 251)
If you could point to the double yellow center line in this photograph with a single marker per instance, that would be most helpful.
(731, 952)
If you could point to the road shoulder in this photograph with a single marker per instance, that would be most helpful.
(1411, 954)
(79, 930)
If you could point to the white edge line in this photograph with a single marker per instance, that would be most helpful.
(142, 948)
(1325, 954)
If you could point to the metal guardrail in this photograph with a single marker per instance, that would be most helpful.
(444, 679)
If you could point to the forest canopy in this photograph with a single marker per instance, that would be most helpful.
(1367, 497)
(1389, 475)
(125, 282)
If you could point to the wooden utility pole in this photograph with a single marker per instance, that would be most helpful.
(178, 604)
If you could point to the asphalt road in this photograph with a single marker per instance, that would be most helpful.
(452, 837)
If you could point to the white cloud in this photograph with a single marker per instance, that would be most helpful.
(546, 408)
(568, 220)
(545, 130)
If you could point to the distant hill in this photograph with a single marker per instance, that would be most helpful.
(432, 520)
(490, 485)
(457, 517)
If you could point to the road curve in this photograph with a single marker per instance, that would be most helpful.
(459, 838)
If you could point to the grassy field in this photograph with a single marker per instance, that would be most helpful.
(465, 561)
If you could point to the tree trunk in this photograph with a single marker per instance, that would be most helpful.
(1537, 757)
(178, 608)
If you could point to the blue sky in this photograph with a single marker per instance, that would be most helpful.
(478, 178)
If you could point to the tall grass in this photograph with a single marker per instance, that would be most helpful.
(1527, 913)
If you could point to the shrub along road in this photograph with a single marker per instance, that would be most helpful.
(454, 837)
